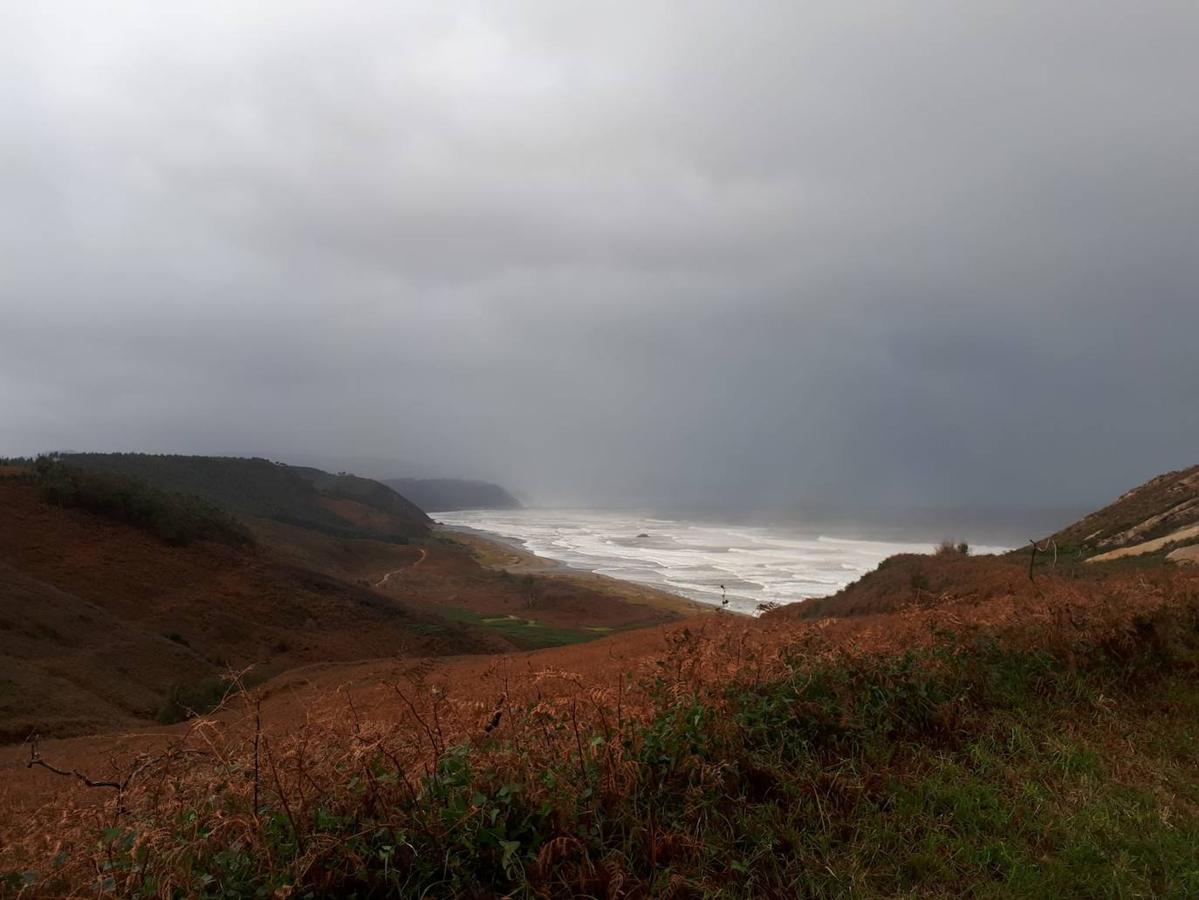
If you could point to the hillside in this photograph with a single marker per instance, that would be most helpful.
(1160, 517)
(1150, 525)
(116, 600)
(945, 727)
(337, 505)
(100, 619)
(445, 494)
(61, 661)
(373, 494)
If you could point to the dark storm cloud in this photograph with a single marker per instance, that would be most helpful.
(881, 252)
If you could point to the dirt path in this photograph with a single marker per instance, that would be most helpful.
(424, 554)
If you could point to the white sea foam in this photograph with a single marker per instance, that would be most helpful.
(755, 564)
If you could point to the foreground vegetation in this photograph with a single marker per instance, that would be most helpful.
(1029, 766)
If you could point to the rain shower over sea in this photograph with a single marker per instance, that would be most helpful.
(708, 561)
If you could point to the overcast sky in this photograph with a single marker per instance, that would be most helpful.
(880, 252)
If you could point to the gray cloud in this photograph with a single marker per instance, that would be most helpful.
(880, 252)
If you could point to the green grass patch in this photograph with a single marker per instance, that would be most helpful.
(527, 634)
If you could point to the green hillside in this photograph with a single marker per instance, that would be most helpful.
(270, 490)
(375, 494)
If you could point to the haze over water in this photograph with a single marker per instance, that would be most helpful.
(755, 563)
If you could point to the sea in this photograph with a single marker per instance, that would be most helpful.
(742, 565)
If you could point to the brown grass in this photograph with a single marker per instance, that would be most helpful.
(315, 728)
(98, 620)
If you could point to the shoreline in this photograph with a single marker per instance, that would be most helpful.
(508, 555)
(743, 568)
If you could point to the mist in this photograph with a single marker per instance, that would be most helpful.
(755, 256)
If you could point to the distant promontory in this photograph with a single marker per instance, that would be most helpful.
(446, 494)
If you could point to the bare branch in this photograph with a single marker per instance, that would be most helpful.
(35, 759)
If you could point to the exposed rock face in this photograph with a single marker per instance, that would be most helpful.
(1162, 511)
(1188, 534)
(1185, 556)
